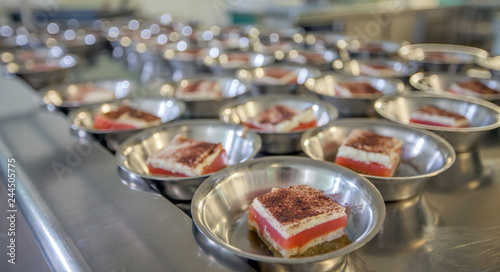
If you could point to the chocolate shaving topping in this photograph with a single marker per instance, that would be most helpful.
(295, 203)
(276, 115)
(370, 141)
(192, 155)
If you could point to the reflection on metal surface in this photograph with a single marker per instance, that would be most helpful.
(466, 174)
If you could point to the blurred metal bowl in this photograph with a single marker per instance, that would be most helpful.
(373, 49)
(354, 67)
(56, 96)
(323, 63)
(218, 63)
(207, 108)
(459, 56)
(483, 116)
(82, 119)
(240, 110)
(241, 145)
(253, 75)
(439, 83)
(220, 208)
(43, 72)
(352, 106)
(424, 154)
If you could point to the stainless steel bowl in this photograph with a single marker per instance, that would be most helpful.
(238, 111)
(460, 56)
(424, 154)
(82, 119)
(372, 49)
(56, 96)
(241, 145)
(208, 108)
(324, 63)
(354, 67)
(352, 106)
(56, 70)
(439, 83)
(220, 208)
(253, 75)
(218, 63)
(483, 116)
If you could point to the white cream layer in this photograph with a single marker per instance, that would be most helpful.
(367, 157)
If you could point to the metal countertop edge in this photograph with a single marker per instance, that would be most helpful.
(55, 244)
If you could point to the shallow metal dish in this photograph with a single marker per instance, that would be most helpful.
(240, 110)
(372, 49)
(303, 73)
(220, 208)
(439, 83)
(424, 154)
(416, 53)
(82, 119)
(352, 106)
(230, 87)
(57, 70)
(483, 116)
(324, 64)
(55, 96)
(217, 62)
(353, 67)
(241, 145)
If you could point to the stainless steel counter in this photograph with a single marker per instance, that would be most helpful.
(82, 217)
(71, 196)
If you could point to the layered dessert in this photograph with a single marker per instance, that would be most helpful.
(308, 57)
(125, 118)
(377, 70)
(294, 220)
(369, 153)
(356, 89)
(190, 54)
(472, 88)
(185, 157)
(443, 57)
(236, 59)
(434, 116)
(281, 118)
(277, 76)
(88, 94)
(200, 90)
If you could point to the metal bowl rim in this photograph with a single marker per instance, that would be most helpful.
(119, 157)
(448, 161)
(310, 68)
(59, 68)
(369, 233)
(446, 48)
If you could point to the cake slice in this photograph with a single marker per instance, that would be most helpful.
(472, 88)
(277, 76)
(89, 94)
(377, 70)
(124, 118)
(295, 219)
(434, 116)
(200, 90)
(369, 153)
(281, 118)
(356, 89)
(184, 157)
